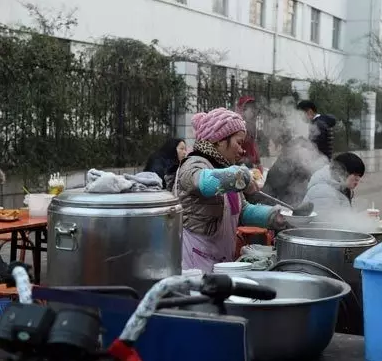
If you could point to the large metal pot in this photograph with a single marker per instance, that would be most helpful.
(132, 239)
(298, 325)
(334, 249)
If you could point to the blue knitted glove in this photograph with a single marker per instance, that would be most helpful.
(218, 181)
(256, 215)
(262, 216)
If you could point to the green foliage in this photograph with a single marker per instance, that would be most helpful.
(346, 103)
(61, 112)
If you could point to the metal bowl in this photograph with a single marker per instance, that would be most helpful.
(299, 324)
(350, 316)
(298, 221)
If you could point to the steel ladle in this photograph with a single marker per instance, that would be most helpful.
(304, 209)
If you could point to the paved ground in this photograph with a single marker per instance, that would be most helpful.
(6, 250)
(370, 190)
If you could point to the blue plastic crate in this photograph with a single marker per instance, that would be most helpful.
(370, 262)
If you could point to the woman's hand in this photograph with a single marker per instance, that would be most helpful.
(252, 187)
(277, 221)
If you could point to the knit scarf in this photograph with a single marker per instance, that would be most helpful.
(207, 150)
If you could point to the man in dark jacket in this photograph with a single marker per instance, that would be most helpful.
(288, 178)
(321, 131)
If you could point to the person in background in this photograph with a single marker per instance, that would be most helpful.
(4, 274)
(2, 177)
(167, 158)
(321, 131)
(246, 107)
(210, 186)
(331, 189)
(288, 178)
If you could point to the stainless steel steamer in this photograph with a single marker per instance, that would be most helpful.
(132, 239)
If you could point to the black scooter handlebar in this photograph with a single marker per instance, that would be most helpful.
(258, 292)
(222, 286)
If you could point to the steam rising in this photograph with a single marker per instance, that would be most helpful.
(283, 117)
(350, 220)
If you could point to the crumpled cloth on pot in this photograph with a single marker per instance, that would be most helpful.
(99, 181)
(261, 257)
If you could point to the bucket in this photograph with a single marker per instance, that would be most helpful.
(38, 204)
(370, 262)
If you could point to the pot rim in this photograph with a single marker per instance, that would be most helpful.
(346, 289)
(133, 200)
(284, 236)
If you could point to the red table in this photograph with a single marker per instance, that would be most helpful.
(23, 226)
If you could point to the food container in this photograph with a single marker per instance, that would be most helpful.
(334, 249)
(298, 325)
(56, 184)
(373, 213)
(298, 221)
(370, 262)
(132, 239)
(24, 212)
(38, 204)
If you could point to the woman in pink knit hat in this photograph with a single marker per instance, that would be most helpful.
(210, 188)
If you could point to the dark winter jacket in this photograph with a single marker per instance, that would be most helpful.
(288, 178)
(321, 133)
(160, 166)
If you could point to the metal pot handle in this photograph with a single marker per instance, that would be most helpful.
(67, 230)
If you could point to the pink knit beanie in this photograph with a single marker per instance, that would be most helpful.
(216, 125)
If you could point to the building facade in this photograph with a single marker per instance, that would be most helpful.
(299, 39)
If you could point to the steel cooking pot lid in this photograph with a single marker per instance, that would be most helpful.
(120, 200)
(325, 237)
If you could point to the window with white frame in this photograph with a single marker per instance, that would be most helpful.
(290, 13)
(220, 7)
(315, 26)
(336, 33)
(256, 12)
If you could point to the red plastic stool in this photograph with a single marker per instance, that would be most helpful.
(243, 235)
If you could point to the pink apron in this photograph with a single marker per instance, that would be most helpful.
(202, 252)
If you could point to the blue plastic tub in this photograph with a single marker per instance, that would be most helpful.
(4, 302)
(370, 262)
